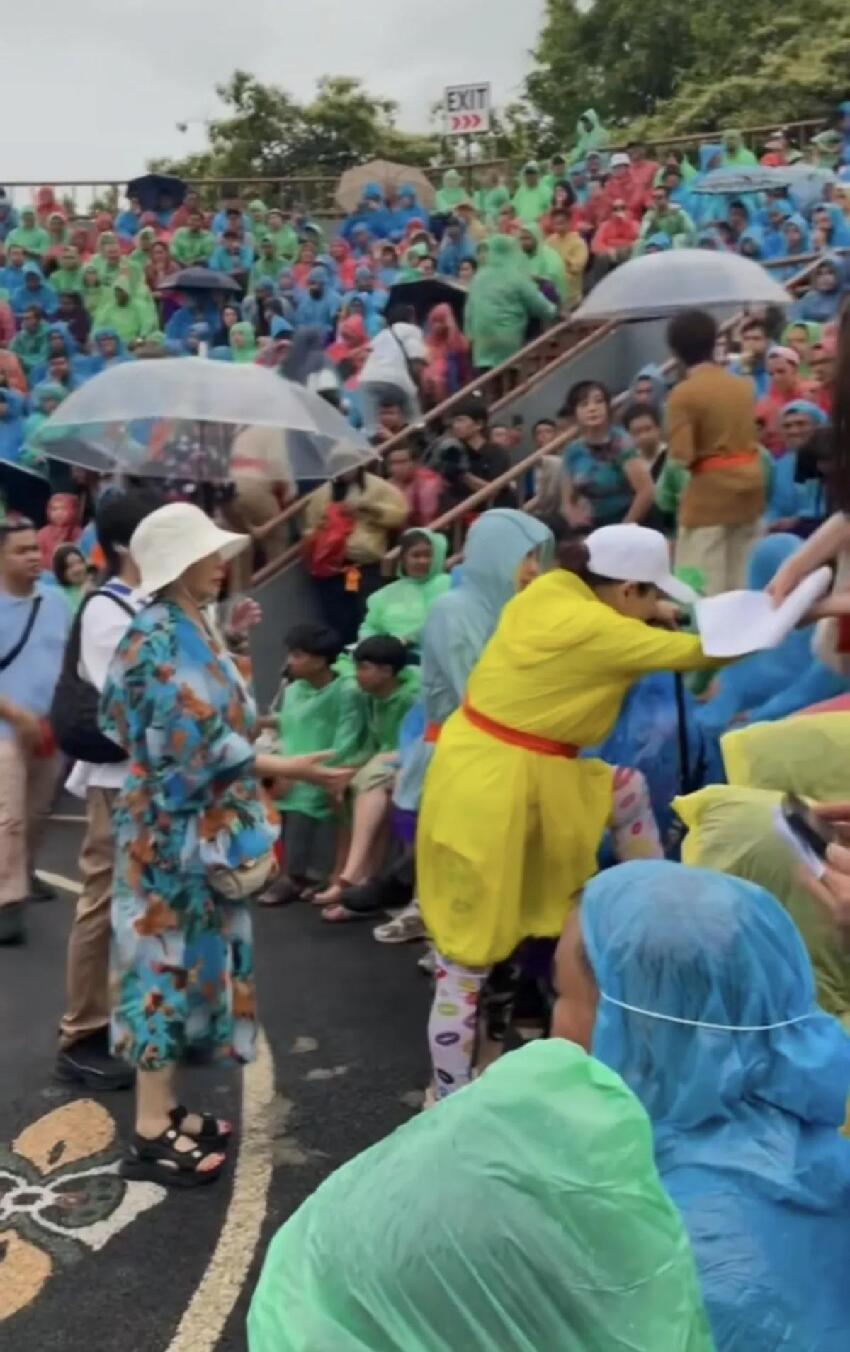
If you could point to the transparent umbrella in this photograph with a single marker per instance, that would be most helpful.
(179, 418)
(680, 279)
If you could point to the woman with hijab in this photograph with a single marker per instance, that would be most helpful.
(160, 265)
(449, 194)
(822, 302)
(449, 367)
(72, 574)
(803, 335)
(492, 1251)
(696, 988)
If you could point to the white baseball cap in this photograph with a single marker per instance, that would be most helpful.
(619, 157)
(174, 537)
(632, 553)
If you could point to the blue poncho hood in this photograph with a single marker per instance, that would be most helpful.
(708, 1011)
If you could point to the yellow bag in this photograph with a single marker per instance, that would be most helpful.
(732, 830)
(807, 756)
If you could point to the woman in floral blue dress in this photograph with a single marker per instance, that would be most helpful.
(191, 803)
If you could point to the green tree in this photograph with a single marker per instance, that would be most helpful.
(267, 132)
(670, 66)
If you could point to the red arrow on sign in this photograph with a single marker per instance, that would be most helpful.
(465, 122)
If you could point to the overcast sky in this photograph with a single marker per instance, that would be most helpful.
(93, 88)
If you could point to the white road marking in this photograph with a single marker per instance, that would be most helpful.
(64, 884)
(209, 1309)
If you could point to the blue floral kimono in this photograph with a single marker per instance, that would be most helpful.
(182, 962)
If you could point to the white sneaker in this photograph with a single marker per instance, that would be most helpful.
(404, 928)
(428, 962)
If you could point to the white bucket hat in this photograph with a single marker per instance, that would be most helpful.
(631, 553)
(172, 538)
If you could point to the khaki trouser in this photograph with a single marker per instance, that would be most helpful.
(87, 1010)
(27, 785)
(721, 553)
(254, 505)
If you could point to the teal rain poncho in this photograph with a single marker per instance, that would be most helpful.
(524, 1214)
(401, 608)
(590, 135)
(130, 321)
(735, 153)
(707, 1009)
(531, 200)
(461, 622)
(450, 193)
(502, 300)
(545, 264)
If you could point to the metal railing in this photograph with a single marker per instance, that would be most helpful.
(504, 383)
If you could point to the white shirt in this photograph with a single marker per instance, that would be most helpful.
(386, 360)
(104, 625)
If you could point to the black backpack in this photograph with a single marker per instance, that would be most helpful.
(73, 714)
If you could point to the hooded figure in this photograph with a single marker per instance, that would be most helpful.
(797, 240)
(501, 301)
(242, 345)
(708, 207)
(29, 236)
(109, 349)
(590, 135)
(649, 386)
(544, 264)
(707, 1009)
(822, 301)
(769, 685)
(839, 227)
(735, 153)
(374, 1259)
(407, 208)
(371, 212)
(12, 410)
(400, 609)
(448, 368)
(44, 399)
(34, 290)
(462, 621)
(61, 343)
(451, 192)
(30, 344)
(455, 248)
(130, 318)
(283, 235)
(532, 198)
(319, 304)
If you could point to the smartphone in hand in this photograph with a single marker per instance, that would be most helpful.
(807, 833)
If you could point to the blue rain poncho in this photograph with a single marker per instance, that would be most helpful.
(818, 306)
(524, 1214)
(42, 295)
(771, 684)
(81, 366)
(745, 1113)
(802, 245)
(318, 311)
(460, 623)
(660, 389)
(11, 424)
(789, 499)
(407, 208)
(371, 212)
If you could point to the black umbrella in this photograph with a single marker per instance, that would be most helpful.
(149, 188)
(199, 279)
(425, 294)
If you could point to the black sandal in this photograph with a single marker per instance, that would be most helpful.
(209, 1135)
(158, 1161)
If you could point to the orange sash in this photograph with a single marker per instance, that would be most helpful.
(541, 745)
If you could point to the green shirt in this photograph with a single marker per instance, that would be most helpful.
(370, 726)
(309, 721)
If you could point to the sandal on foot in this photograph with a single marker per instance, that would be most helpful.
(338, 914)
(214, 1132)
(323, 898)
(159, 1161)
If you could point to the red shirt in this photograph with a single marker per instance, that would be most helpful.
(619, 232)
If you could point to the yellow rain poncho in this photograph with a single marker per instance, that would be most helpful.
(507, 836)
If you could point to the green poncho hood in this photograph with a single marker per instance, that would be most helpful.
(524, 1212)
(248, 352)
(451, 192)
(544, 263)
(592, 137)
(400, 609)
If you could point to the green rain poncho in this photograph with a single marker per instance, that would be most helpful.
(29, 236)
(265, 268)
(92, 289)
(131, 321)
(531, 201)
(369, 726)
(523, 1214)
(491, 200)
(400, 609)
(501, 300)
(141, 257)
(450, 193)
(66, 278)
(122, 268)
(308, 722)
(592, 137)
(545, 264)
(735, 153)
(44, 398)
(257, 213)
(31, 348)
(284, 237)
(247, 352)
(188, 248)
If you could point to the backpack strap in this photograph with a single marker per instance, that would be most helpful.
(71, 660)
(9, 657)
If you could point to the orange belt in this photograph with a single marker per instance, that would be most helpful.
(432, 733)
(731, 461)
(541, 745)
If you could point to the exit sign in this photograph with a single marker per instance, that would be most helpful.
(467, 109)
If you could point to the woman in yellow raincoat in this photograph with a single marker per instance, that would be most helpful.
(511, 821)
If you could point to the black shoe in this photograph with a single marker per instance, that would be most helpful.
(40, 890)
(12, 929)
(379, 894)
(90, 1063)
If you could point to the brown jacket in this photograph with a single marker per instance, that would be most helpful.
(378, 508)
(711, 419)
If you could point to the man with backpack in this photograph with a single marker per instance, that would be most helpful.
(33, 626)
(84, 1057)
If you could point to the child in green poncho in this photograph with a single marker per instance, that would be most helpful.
(368, 736)
(401, 608)
(315, 704)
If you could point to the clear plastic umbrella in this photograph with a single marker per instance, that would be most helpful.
(680, 279)
(178, 418)
(759, 178)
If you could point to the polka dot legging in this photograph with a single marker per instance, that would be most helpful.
(453, 1024)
